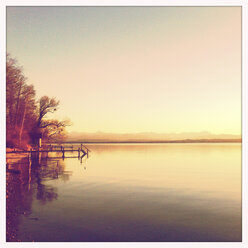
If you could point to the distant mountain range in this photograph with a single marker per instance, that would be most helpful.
(152, 137)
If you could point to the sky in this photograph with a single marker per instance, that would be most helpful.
(134, 69)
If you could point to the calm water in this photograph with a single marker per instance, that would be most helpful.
(129, 192)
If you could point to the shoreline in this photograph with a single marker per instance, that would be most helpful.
(150, 142)
(12, 158)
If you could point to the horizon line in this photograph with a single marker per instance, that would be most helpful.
(106, 132)
(156, 141)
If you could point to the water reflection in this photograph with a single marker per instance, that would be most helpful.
(30, 184)
(165, 192)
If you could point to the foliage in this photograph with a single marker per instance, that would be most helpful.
(26, 117)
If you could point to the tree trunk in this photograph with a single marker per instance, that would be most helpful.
(17, 105)
(22, 124)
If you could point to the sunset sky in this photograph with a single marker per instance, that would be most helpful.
(134, 69)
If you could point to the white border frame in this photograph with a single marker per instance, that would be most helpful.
(243, 4)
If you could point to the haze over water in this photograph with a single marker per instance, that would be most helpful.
(136, 192)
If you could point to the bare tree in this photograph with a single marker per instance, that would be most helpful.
(51, 128)
(29, 94)
(46, 105)
(25, 118)
(20, 104)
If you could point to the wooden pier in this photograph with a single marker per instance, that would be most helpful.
(81, 151)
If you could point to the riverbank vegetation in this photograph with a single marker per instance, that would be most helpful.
(27, 117)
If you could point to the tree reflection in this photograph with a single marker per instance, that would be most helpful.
(46, 193)
(48, 170)
(32, 183)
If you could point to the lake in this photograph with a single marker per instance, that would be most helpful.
(129, 192)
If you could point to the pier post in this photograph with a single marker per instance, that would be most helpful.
(63, 153)
(39, 156)
(78, 152)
